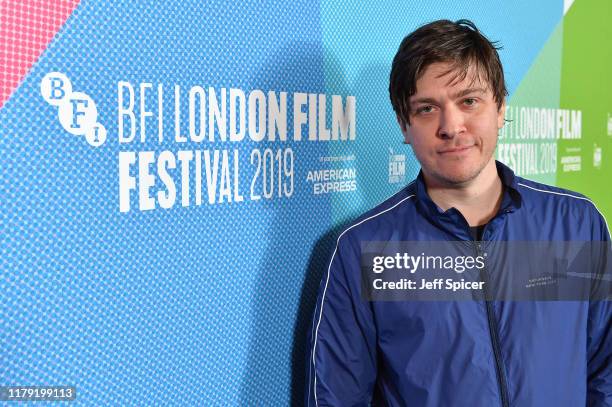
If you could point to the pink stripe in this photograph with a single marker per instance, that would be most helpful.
(26, 29)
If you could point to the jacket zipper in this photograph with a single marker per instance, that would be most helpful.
(501, 378)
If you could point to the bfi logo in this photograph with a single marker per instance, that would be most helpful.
(596, 156)
(77, 112)
(397, 167)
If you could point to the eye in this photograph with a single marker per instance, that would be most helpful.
(469, 101)
(425, 109)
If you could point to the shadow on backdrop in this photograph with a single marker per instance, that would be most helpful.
(275, 316)
(279, 321)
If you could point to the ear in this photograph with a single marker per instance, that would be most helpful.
(405, 128)
(501, 114)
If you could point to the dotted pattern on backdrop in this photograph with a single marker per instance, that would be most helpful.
(357, 65)
(187, 306)
(200, 305)
(26, 27)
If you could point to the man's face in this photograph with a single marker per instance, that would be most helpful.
(453, 126)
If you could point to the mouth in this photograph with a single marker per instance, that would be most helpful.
(456, 150)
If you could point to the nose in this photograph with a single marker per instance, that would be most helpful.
(452, 123)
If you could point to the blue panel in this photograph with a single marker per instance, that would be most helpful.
(191, 305)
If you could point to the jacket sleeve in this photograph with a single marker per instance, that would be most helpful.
(599, 339)
(342, 357)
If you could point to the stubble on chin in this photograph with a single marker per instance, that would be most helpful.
(457, 178)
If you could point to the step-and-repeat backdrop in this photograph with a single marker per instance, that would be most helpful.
(174, 174)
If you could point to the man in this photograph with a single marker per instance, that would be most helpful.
(447, 89)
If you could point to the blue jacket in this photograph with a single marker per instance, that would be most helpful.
(461, 353)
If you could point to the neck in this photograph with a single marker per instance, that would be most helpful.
(478, 200)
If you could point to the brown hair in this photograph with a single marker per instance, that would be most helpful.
(459, 43)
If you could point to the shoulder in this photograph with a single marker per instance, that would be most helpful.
(538, 193)
(554, 201)
(544, 191)
(383, 215)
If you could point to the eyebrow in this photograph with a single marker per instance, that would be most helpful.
(457, 95)
(468, 91)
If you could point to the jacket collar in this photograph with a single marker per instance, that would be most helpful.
(452, 220)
